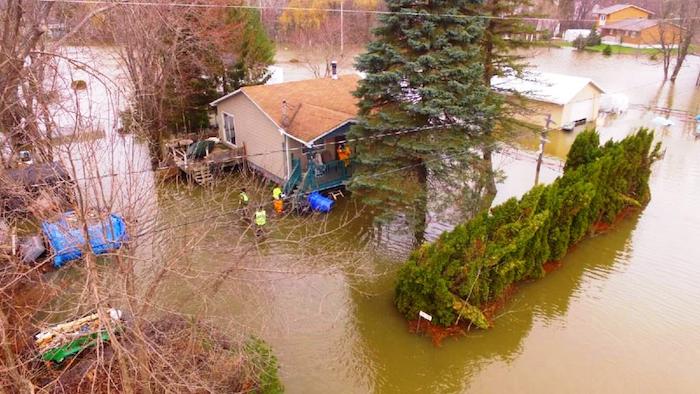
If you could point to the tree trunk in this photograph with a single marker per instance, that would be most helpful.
(421, 209)
(666, 61)
(683, 47)
(489, 180)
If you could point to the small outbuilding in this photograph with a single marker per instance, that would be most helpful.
(568, 99)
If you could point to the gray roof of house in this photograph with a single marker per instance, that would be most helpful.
(618, 7)
(631, 24)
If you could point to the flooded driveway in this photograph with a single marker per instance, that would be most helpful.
(622, 314)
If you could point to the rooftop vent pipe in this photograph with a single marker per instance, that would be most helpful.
(334, 69)
(285, 115)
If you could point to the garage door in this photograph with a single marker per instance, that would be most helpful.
(580, 110)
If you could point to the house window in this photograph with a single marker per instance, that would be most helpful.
(229, 129)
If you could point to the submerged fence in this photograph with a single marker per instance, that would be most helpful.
(455, 277)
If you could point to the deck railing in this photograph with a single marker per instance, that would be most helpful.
(326, 176)
(294, 177)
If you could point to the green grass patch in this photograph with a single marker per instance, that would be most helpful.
(623, 50)
(616, 49)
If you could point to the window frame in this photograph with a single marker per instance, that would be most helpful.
(225, 130)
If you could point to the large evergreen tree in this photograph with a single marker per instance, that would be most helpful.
(504, 34)
(423, 71)
(253, 51)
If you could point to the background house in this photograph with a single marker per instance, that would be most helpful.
(641, 33)
(620, 12)
(568, 99)
(279, 125)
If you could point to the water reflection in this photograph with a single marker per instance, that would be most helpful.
(402, 362)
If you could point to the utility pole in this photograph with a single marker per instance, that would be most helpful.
(342, 31)
(543, 140)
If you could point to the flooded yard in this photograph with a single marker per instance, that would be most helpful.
(621, 314)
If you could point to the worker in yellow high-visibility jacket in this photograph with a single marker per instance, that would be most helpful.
(276, 193)
(260, 217)
(243, 198)
(260, 221)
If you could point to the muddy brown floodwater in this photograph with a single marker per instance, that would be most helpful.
(620, 315)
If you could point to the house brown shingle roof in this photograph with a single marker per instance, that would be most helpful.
(631, 24)
(314, 106)
(618, 7)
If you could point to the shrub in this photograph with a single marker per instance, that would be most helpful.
(477, 261)
(265, 367)
(607, 51)
(78, 84)
(593, 39)
(580, 43)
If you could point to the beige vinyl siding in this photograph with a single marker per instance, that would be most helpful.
(257, 133)
(627, 13)
(590, 92)
(537, 111)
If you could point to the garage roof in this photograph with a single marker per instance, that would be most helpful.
(548, 87)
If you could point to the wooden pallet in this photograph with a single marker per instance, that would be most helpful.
(203, 176)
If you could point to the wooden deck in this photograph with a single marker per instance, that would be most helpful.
(200, 170)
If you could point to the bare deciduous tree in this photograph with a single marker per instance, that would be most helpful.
(171, 228)
(689, 14)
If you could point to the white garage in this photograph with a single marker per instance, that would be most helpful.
(566, 98)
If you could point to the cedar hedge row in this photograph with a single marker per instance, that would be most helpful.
(454, 277)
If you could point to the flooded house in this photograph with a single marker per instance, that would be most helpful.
(291, 131)
(570, 100)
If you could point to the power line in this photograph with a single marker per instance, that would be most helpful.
(263, 205)
(347, 140)
(322, 145)
(374, 175)
(327, 10)
(274, 151)
(302, 195)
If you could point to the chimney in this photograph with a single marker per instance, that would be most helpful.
(285, 116)
(334, 69)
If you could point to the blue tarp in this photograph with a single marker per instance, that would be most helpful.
(66, 238)
(320, 203)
